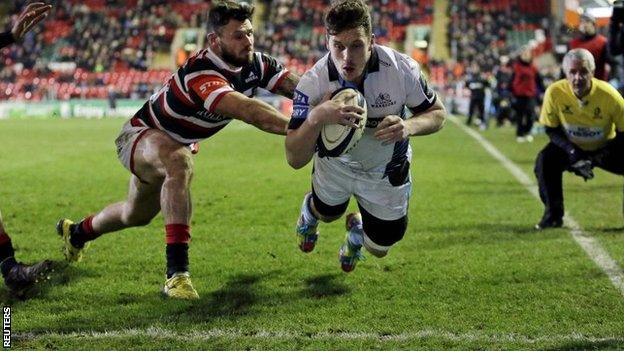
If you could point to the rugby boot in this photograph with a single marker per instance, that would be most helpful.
(64, 228)
(22, 277)
(350, 251)
(179, 286)
(307, 233)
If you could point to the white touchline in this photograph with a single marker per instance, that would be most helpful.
(592, 247)
(199, 335)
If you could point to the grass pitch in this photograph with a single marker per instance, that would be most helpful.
(470, 274)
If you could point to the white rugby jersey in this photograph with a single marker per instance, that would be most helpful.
(392, 82)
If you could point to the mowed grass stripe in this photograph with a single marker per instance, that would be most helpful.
(591, 246)
(197, 335)
(469, 263)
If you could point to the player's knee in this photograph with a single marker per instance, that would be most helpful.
(327, 213)
(136, 219)
(140, 221)
(375, 251)
(179, 164)
(380, 235)
(327, 219)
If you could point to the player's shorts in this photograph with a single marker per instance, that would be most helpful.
(131, 132)
(335, 182)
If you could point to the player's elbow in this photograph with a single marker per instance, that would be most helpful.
(295, 161)
(295, 156)
(436, 120)
(440, 119)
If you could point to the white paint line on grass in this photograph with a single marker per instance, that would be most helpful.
(589, 244)
(200, 335)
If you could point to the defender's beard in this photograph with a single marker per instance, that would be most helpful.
(234, 60)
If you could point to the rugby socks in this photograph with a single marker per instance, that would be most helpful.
(7, 261)
(306, 211)
(177, 238)
(82, 232)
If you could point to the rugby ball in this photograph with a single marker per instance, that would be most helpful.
(336, 139)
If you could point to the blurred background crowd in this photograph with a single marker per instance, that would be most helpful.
(471, 50)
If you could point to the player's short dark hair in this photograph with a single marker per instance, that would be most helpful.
(348, 14)
(225, 10)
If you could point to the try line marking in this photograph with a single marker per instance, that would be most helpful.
(199, 335)
(589, 244)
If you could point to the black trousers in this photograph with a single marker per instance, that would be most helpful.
(502, 114)
(476, 106)
(550, 164)
(524, 108)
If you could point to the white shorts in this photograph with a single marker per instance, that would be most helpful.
(126, 143)
(334, 182)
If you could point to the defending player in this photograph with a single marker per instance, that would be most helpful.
(376, 171)
(213, 87)
(17, 276)
(584, 119)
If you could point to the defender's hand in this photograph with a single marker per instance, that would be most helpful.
(30, 16)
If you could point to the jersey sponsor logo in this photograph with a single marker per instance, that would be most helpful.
(586, 133)
(383, 100)
(300, 98)
(597, 114)
(252, 76)
(384, 63)
(211, 85)
(567, 109)
(373, 122)
(300, 111)
(205, 115)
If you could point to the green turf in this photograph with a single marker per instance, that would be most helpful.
(470, 273)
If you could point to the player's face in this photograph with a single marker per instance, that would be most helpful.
(587, 27)
(579, 75)
(350, 50)
(526, 56)
(236, 40)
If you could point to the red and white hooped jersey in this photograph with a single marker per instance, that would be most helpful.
(184, 106)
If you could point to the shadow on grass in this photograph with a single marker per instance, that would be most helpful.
(326, 285)
(608, 230)
(588, 345)
(240, 296)
(447, 236)
(483, 227)
(236, 298)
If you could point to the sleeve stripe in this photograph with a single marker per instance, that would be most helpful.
(209, 73)
(261, 64)
(279, 81)
(295, 123)
(276, 79)
(211, 103)
(424, 106)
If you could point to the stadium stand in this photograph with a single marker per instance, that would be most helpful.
(98, 46)
(88, 49)
(294, 31)
(94, 47)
